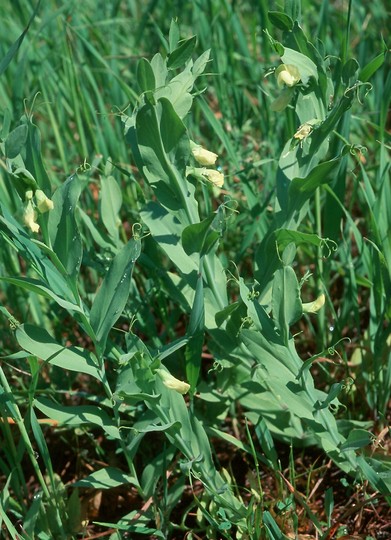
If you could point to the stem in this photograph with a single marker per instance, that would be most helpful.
(17, 417)
(320, 268)
(117, 418)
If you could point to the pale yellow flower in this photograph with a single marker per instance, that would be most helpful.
(215, 177)
(287, 75)
(44, 204)
(29, 217)
(203, 156)
(172, 382)
(303, 131)
(315, 306)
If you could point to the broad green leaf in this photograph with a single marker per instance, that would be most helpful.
(171, 427)
(349, 71)
(113, 293)
(285, 236)
(174, 35)
(334, 392)
(164, 150)
(110, 205)
(370, 69)
(280, 20)
(63, 230)
(15, 141)
(286, 303)
(179, 56)
(40, 288)
(223, 315)
(305, 65)
(195, 333)
(77, 415)
(95, 233)
(383, 485)
(33, 159)
(301, 189)
(170, 348)
(145, 76)
(30, 251)
(293, 9)
(166, 231)
(200, 63)
(160, 71)
(106, 478)
(6, 124)
(39, 342)
(356, 439)
(200, 237)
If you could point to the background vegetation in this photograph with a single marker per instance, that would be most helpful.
(144, 274)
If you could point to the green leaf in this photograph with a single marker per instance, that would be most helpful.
(33, 160)
(195, 333)
(41, 443)
(285, 236)
(145, 76)
(301, 189)
(182, 54)
(305, 65)
(34, 285)
(63, 230)
(4, 63)
(110, 205)
(39, 342)
(374, 477)
(77, 415)
(356, 439)
(109, 477)
(280, 20)
(167, 230)
(164, 149)
(350, 70)
(113, 293)
(173, 37)
(223, 315)
(274, 532)
(200, 64)
(372, 66)
(286, 304)
(334, 392)
(194, 236)
(15, 141)
(51, 278)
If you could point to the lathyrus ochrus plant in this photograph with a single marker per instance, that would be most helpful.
(280, 387)
(51, 272)
(251, 338)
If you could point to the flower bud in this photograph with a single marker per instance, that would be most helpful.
(287, 75)
(44, 204)
(29, 217)
(173, 383)
(315, 306)
(203, 156)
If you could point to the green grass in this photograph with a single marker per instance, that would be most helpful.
(164, 373)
